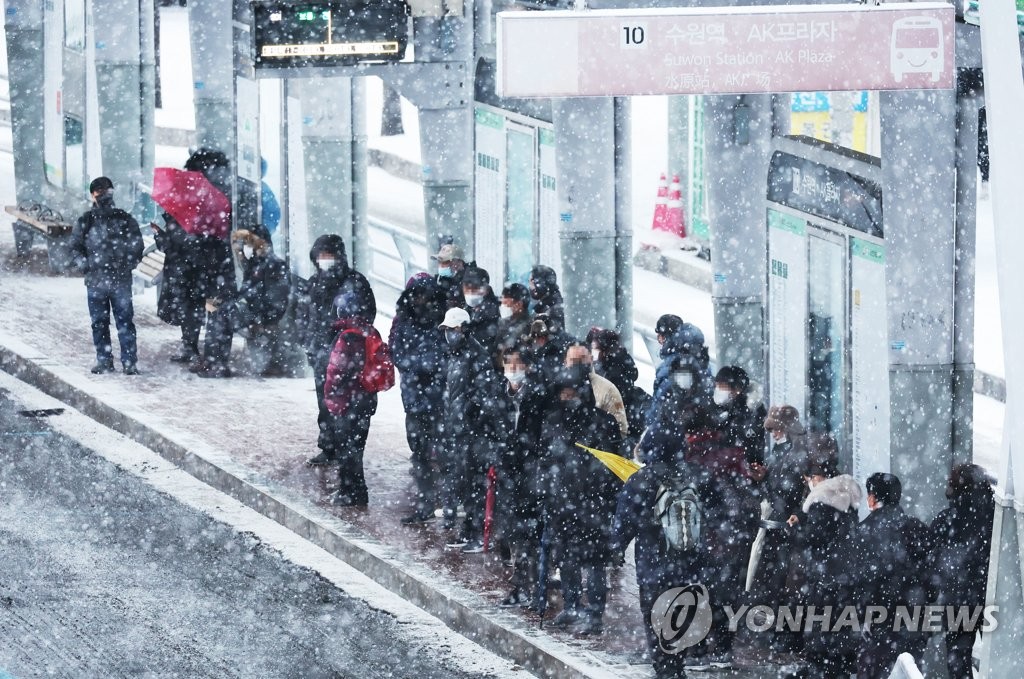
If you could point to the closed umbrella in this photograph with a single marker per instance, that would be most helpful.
(196, 204)
(619, 465)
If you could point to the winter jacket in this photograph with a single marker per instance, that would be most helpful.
(783, 484)
(582, 492)
(263, 297)
(961, 537)
(511, 331)
(316, 314)
(483, 321)
(888, 571)
(823, 568)
(521, 479)
(474, 395)
(657, 566)
(743, 428)
(109, 245)
(179, 290)
(215, 268)
(418, 347)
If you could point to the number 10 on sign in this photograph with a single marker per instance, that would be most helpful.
(633, 36)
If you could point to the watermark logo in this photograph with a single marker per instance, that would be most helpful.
(681, 617)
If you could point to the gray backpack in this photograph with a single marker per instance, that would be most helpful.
(681, 514)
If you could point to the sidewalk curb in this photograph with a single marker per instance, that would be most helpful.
(461, 610)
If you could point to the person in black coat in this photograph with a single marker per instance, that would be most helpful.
(740, 426)
(316, 319)
(961, 537)
(547, 298)
(659, 567)
(475, 428)
(108, 243)
(521, 481)
(261, 300)
(891, 552)
(421, 357)
(181, 302)
(781, 486)
(613, 362)
(482, 306)
(826, 527)
(580, 504)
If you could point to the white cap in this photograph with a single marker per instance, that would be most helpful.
(454, 318)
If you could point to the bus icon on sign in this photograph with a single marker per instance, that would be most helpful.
(917, 47)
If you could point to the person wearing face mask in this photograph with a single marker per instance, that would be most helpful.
(316, 318)
(260, 302)
(475, 428)
(482, 306)
(580, 502)
(547, 298)
(515, 315)
(740, 426)
(613, 362)
(451, 262)
(108, 244)
(579, 363)
(520, 478)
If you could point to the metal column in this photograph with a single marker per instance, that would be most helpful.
(124, 95)
(24, 28)
(446, 132)
(586, 161)
(738, 133)
(1003, 649)
(919, 176)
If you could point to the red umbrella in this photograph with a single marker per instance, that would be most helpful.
(193, 201)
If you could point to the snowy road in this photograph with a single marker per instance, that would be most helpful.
(104, 575)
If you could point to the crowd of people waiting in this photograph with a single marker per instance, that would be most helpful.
(495, 391)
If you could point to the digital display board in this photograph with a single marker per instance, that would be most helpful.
(333, 33)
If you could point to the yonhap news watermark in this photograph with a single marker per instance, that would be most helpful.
(681, 618)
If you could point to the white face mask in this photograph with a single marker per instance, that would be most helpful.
(504, 311)
(596, 354)
(781, 440)
(722, 396)
(325, 263)
(474, 300)
(684, 380)
(515, 376)
(810, 484)
(247, 251)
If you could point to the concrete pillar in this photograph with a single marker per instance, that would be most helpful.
(24, 26)
(585, 159)
(623, 223)
(968, 102)
(919, 176)
(679, 145)
(213, 72)
(738, 134)
(446, 132)
(1003, 649)
(327, 150)
(125, 100)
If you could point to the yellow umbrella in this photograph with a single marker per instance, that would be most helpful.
(619, 465)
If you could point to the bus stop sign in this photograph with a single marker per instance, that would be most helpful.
(725, 50)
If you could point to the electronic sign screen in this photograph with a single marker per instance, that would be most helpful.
(333, 33)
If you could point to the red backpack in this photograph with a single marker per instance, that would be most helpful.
(378, 368)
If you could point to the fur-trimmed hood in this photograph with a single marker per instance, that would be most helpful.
(840, 492)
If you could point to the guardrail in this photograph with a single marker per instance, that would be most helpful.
(395, 255)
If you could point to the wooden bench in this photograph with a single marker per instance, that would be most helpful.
(34, 222)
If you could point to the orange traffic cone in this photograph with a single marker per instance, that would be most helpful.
(661, 206)
(674, 222)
